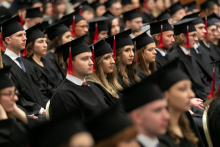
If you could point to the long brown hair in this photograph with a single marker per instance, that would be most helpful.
(111, 83)
(30, 51)
(143, 64)
(127, 134)
(131, 70)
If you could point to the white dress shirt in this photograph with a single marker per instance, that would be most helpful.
(207, 45)
(24, 26)
(75, 80)
(146, 141)
(195, 47)
(163, 53)
(184, 50)
(13, 57)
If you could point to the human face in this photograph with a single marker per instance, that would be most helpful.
(153, 117)
(66, 37)
(136, 24)
(193, 38)
(212, 33)
(168, 40)
(215, 10)
(100, 11)
(127, 55)
(116, 9)
(82, 139)
(115, 28)
(151, 4)
(150, 53)
(81, 28)
(34, 21)
(218, 30)
(179, 95)
(102, 34)
(40, 47)
(8, 98)
(88, 14)
(135, 4)
(128, 143)
(83, 65)
(200, 28)
(61, 8)
(108, 63)
(167, 4)
(160, 5)
(49, 9)
(127, 7)
(179, 15)
(17, 40)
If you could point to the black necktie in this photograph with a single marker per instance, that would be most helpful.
(199, 50)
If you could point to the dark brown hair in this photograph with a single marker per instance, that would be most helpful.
(29, 49)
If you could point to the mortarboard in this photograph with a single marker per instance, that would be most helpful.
(175, 7)
(109, 3)
(24, 4)
(119, 40)
(72, 49)
(109, 15)
(207, 4)
(126, 2)
(5, 17)
(210, 21)
(97, 25)
(100, 128)
(4, 78)
(129, 15)
(74, 1)
(190, 6)
(164, 15)
(47, 22)
(83, 6)
(33, 13)
(56, 30)
(184, 26)
(198, 20)
(96, 4)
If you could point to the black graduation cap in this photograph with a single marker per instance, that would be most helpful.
(34, 33)
(96, 4)
(109, 15)
(198, 20)
(24, 4)
(129, 15)
(175, 7)
(108, 124)
(142, 40)
(190, 6)
(84, 6)
(46, 23)
(155, 27)
(211, 19)
(4, 78)
(56, 133)
(109, 3)
(126, 2)
(74, 1)
(207, 4)
(33, 13)
(56, 30)
(5, 17)
(36, 1)
(164, 15)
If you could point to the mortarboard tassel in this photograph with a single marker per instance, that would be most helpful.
(73, 27)
(93, 58)
(135, 47)
(211, 94)
(70, 65)
(145, 4)
(114, 48)
(24, 54)
(21, 21)
(1, 41)
(81, 10)
(96, 33)
(52, 2)
(206, 33)
(161, 35)
(187, 37)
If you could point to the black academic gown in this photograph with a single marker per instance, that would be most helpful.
(31, 92)
(120, 81)
(82, 101)
(214, 122)
(160, 60)
(13, 133)
(147, 18)
(189, 66)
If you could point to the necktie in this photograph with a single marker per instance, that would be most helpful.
(189, 54)
(166, 56)
(21, 63)
(84, 84)
(199, 50)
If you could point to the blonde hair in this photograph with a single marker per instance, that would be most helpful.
(143, 65)
(111, 83)
(154, 38)
(130, 69)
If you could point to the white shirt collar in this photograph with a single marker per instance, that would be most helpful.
(146, 141)
(207, 45)
(195, 47)
(74, 79)
(163, 53)
(11, 54)
(184, 50)
(25, 28)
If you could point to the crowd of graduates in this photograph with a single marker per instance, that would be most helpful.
(109, 73)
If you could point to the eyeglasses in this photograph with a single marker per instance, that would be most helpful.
(194, 36)
(10, 94)
(83, 27)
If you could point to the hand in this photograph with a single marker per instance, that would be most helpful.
(34, 117)
(3, 114)
(44, 112)
(191, 112)
(196, 102)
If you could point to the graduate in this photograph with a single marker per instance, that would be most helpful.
(125, 60)
(177, 12)
(58, 34)
(127, 5)
(76, 23)
(146, 8)
(75, 94)
(146, 53)
(33, 16)
(209, 7)
(99, 8)
(145, 105)
(36, 49)
(32, 92)
(191, 8)
(163, 39)
(12, 119)
(113, 129)
(165, 15)
(87, 11)
(133, 21)
(97, 29)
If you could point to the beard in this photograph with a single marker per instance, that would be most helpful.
(167, 47)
